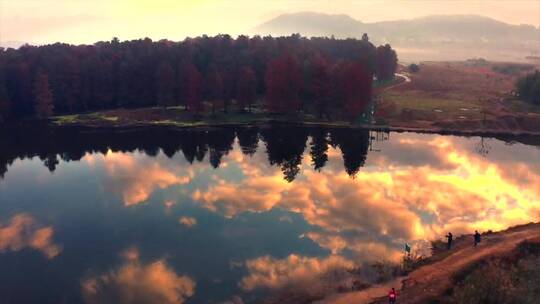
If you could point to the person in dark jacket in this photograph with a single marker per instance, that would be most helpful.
(477, 238)
(450, 238)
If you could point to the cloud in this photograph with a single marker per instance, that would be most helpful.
(24, 232)
(135, 282)
(297, 271)
(259, 194)
(188, 221)
(136, 178)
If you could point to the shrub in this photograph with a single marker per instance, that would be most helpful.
(414, 68)
(528, 88)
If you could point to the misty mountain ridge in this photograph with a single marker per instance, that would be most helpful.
(435, 31)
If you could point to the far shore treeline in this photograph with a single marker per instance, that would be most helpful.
(204, 74)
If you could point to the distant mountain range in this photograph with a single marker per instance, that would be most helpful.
(438, 31)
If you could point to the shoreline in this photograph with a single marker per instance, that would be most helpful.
(270, 122)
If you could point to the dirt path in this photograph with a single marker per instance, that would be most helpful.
(363, 296)
(406, 78)
(434, 279)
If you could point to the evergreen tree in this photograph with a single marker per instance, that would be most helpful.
(386, 62)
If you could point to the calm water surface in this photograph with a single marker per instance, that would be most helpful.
(238, 214)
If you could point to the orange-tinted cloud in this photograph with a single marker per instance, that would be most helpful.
(260, 194)
(188, 221)
(137, 178)
(293, 271)
(135, 282)
(24, 232)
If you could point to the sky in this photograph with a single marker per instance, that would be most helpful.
(87, 21)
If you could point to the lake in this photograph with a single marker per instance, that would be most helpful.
(235, 215)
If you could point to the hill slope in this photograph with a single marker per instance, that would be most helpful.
(431, 281)
(467, 32)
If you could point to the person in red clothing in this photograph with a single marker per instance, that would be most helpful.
(392, 296)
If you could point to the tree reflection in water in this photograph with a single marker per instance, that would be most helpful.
(285, 146)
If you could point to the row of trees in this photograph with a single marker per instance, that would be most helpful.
(285, 147)
(292, 73)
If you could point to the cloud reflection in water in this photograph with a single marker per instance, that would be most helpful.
(417, 188)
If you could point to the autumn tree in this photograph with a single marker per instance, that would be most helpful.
(43, 97)
(165, 84)
(131, 74)
(194, 89)
(214, 88)
(283, 84)
(356, 88)
(386, 63)
(318, 83)
(246, 89)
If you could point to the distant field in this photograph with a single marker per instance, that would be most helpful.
(459, 92)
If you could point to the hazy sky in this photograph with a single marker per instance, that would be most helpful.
(86, 21)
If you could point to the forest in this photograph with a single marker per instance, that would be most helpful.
(201, 75)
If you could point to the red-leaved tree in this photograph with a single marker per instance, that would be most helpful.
(356, 87)
(214, 88)
(194, 89)
(318, 86)
(246, 91)
(283, 84)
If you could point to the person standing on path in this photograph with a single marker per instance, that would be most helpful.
(477, 238)
(450, 238)
(392, 296)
